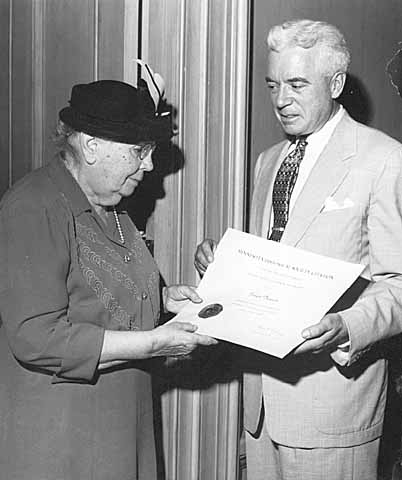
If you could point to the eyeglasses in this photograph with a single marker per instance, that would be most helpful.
(143, 151)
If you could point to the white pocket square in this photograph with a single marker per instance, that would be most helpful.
(331, 204)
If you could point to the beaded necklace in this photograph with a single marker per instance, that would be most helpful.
(118, 225)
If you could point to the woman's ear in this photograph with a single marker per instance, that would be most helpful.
(337, 83)
(89, 146)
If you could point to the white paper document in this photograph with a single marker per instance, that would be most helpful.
(261, 294)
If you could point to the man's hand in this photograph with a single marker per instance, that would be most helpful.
(326, 335)
(204, 255)
(176, 297)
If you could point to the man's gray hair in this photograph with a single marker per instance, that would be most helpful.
(306, 34)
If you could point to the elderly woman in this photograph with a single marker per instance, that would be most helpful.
(79, 300)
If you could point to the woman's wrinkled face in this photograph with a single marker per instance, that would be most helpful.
(119, 169)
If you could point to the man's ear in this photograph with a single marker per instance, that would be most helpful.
(337, 83)
(89, 146)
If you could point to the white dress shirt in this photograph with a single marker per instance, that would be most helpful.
(316, 143)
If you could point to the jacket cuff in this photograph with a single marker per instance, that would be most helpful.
(356, 324)
(81, 357)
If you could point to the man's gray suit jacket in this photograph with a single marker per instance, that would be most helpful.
(310, 400)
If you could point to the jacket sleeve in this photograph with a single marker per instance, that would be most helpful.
(34, 304)
(377, 314)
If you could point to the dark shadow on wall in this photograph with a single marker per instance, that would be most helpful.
(167, 159)
(356, 100)
(390, 457)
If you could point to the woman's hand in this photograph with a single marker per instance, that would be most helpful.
(176, 297)
(174, 339)
(177, 339)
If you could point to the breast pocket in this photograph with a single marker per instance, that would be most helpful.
(337, 233)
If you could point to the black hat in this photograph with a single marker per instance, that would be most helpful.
(116, 111)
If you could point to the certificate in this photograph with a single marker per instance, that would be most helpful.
(261, 294)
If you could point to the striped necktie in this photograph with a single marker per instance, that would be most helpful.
(283, 187)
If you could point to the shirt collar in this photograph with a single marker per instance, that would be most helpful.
(322, 136)
(68, 187)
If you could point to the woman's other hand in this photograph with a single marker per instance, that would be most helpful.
(176, 297)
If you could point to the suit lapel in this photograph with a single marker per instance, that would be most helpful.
(328, 173)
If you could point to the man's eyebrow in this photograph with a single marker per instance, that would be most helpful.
(297, 79)
(289, 80)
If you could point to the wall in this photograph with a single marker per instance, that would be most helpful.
(48, 47)
(16, 79)
(202, 49)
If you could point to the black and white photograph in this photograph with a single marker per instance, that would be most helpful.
(134, 135)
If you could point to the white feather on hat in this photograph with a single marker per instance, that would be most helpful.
(154, 81)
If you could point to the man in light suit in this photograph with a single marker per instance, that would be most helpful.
(318, 413)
